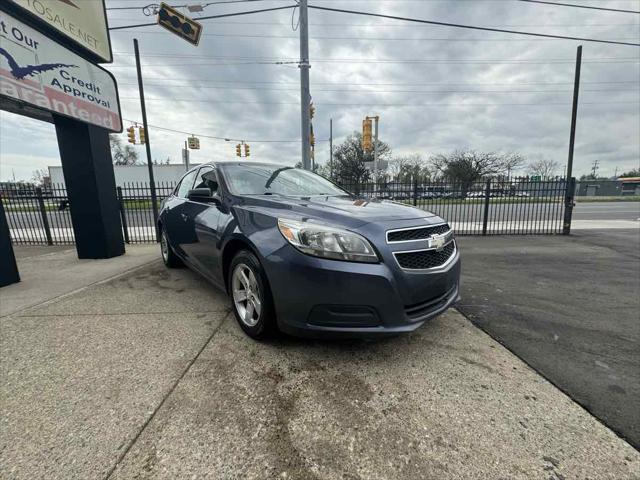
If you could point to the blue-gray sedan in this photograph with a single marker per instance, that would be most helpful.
(298, 254)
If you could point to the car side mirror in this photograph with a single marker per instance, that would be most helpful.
(202, 195)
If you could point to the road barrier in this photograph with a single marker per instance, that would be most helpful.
(497, 206)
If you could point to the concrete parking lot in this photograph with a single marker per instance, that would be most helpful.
(147, 375)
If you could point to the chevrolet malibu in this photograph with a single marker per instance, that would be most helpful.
(300, 255)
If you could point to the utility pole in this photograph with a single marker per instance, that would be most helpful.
(594, 168)
(570, 186)
(331, 148)
(152, 184)
(305, 94)
(375, 156)
(185, 156)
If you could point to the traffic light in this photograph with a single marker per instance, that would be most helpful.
(238, 150)
(312, 110)
(131, 135)
(143, 135)
(312, 137)
(367, 127)
(181, 25)
(193, 142)
(247, 151)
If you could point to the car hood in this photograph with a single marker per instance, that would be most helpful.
(343, 210)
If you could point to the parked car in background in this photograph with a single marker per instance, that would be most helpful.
(298, 254)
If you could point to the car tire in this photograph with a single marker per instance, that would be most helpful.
(169, 257)
(251, 298)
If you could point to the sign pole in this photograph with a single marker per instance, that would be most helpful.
(152, 185)
(570, 183)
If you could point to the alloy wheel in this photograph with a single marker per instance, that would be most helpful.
(164, 247)
(246, 295)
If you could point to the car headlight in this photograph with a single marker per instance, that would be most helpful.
(327, 242)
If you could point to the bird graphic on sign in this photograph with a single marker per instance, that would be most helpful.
(28, 71)
(69, 2)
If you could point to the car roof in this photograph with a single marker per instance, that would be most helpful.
(245, 163)
(217, 163)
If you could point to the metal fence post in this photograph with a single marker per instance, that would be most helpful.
(123, 215)
(43, 212)
(487, 197)
(415, 192)
(568, 205)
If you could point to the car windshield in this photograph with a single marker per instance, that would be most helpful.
(275, 180)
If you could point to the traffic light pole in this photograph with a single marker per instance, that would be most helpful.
(305, 94)
(152, 184)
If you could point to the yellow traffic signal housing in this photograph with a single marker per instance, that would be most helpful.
(143, 135)
(247, 150)
(367, 127)
(179, 24)
(131, 135)
(238, 150)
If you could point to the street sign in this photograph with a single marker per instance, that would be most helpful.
(82, 21)
(180, 24)
(194, 143)
(36, 71)
(535, 178)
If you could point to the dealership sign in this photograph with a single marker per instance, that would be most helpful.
(83, 21)
(37, 71)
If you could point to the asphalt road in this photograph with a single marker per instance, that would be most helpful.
(467, 212)
(570, 308)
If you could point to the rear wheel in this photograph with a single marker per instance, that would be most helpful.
(169, 257)
(250, 296)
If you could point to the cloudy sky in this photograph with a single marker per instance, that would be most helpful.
(435, 88)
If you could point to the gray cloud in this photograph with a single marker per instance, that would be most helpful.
(457, 93)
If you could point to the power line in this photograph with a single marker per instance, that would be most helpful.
(214, 137)
(142, 7)
(389, 39)
(380, 62)
(581, 6)
(434, 92)
(470, 27)
(369, 104)
(635, 82)
(386, 60)
(224, 15)
(395, 25)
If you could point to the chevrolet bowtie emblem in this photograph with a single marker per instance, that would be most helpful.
(437, 242)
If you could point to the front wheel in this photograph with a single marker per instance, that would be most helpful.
(250, 296)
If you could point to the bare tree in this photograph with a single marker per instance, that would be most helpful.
(349, 159)
(544, 167)
(409, 168)
(40, 177)
(122, 154)
(467, 166)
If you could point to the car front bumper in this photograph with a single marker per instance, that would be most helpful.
(317, 297)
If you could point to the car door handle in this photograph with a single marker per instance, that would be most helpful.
(184, 216)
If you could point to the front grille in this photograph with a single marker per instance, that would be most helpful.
(416, 233)
(424, 259)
